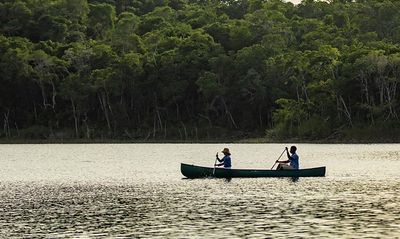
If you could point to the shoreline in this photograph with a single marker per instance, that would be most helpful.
(191, 141)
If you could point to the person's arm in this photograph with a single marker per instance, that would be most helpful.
(290, 158)
(219, 160)
(288, 155)
(287, 152)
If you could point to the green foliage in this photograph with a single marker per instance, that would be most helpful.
(101, 20)
(314, 128)
(177, 69)
(208, 84)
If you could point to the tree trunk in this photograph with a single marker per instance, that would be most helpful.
(103, 106)
(16, 128)
(228, 113)
(75, 118)
(35, 111)
(165, 130)
(6, 125)
(86, 126)
(346, 111)
(53, 98)
(107, 98)
(154, 127)
(364, 82)
(177, 111)
(184, 130)
(44, 100)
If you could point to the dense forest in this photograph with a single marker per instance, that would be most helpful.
(200, 70)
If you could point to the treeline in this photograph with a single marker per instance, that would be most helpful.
(195, 69)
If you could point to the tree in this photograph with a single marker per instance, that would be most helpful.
(101, 20)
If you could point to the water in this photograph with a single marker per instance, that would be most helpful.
(131, 191)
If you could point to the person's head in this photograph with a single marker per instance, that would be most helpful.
(293, 149)
(226, 151)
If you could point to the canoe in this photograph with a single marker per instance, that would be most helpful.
(193, 171)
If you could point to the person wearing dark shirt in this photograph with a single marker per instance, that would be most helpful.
(226, 160)
(292, 162)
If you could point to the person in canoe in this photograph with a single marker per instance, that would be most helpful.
(226, 160)
(292, 162)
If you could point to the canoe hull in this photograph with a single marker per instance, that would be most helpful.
(193, 171)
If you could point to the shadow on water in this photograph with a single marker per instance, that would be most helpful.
(225, 179)
(228, 180)
(294, 179)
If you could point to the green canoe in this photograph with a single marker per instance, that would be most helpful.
(193, 171)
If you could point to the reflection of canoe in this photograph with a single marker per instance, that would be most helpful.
(193, 171)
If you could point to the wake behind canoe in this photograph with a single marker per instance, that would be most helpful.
(193, 171)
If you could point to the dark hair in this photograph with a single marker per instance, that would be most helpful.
(293, 148)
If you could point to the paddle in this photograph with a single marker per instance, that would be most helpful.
(278, 159)
(216, 156)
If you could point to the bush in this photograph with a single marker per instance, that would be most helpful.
(34, 132)
(314, 128)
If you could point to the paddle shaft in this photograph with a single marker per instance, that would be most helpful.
(278, 158)
(214, 165)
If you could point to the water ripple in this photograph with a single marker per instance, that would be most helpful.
(116, 191)
(250, 208)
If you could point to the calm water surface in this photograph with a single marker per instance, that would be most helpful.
(131, 191)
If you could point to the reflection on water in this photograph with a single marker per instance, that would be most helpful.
(123, 197)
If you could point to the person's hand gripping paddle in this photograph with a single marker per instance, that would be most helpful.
(278, 158)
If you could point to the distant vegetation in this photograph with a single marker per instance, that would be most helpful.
(189, 70)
